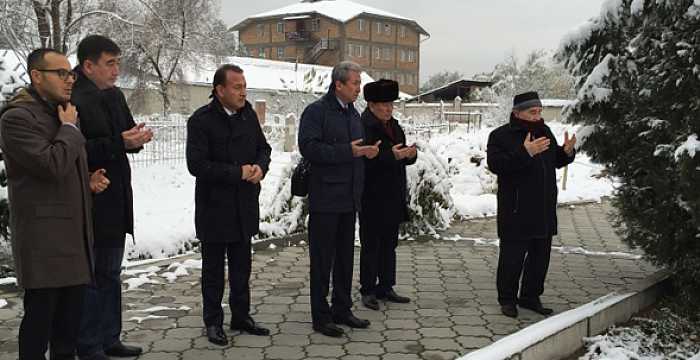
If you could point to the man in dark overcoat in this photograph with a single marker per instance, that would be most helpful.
(228, 154)
(110, 133)
(524, 155)
(385, 194)
(331, 139)
(49, 201)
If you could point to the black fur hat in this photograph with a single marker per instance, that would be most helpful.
(382, 90)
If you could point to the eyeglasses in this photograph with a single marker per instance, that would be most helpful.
(63, 74)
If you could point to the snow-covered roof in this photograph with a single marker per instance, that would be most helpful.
(340, 10)
(267, 74)
(263, 74)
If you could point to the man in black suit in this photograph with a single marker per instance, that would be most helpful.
(110, 133)
(228, 154)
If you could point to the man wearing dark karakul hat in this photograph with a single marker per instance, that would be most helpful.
(384, 198)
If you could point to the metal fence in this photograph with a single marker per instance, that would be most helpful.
(170, 136)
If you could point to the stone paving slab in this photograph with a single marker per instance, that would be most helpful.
(452, 284)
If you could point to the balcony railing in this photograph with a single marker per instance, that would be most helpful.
(297, 35)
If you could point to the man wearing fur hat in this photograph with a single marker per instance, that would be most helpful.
(384, 198)
(524, 155)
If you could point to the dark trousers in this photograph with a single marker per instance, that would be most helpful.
(102, 313)
(331, 248)
(529, 257)
(214, 254)
(377, 256)
(51, 316)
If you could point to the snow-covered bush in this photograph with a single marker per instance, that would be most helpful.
(430, 205)
(638, 71)
(281, 213)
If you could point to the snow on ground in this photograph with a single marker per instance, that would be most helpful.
(535, 333)
(3, 303)
(164, 192)
(474, 187)
(667, 337)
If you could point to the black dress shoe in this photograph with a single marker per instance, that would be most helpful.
(536, 306)
(250, 327)
(509, 310)
(329, 329)
(392, 296)
(351, 321)
(216, 335)
(121, 350)
(370, 302)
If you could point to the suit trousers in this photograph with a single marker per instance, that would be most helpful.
(331, 249)
(214, 254)
(526, 257)
(51, 316)
(377, 256)
(101, 325)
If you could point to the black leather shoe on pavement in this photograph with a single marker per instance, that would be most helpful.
(536, 307)
(216, 335)
(329, 329)
(509, 310)
(370, 302)
(392, 296)
(121, 350)
(351, 321)
(250, 327)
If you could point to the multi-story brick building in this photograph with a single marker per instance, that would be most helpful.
(328, 31)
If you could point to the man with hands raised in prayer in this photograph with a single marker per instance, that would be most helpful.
(331, 138)
(384, 197)
(110, 133)
(524, 155)
(228, 154)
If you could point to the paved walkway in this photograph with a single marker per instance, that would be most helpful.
(451, 281)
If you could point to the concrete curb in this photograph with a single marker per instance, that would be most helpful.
(564, 341)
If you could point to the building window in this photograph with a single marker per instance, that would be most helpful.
(315, 25)
(379, 28)
(411, 56)
(387, 54)
(402, 55)
(377, 53)
(355, 50)
(280, 52)
(387, 29)
(361, 25)
(261, 52)
(280, 27)
(260, 30)
(402, 31)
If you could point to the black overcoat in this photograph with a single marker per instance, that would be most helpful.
(527, 189)
(385, 195)
(104, 115)
(218, 144)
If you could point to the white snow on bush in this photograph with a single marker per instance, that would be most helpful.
(690, 147)
(595, 88)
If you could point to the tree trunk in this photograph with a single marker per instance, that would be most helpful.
(42, 23)
(56, 25)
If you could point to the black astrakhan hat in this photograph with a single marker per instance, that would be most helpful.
(526, 100)
(382, 90)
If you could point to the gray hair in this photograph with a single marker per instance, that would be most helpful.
(341, 72)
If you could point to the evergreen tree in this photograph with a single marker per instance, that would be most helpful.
(638, 71)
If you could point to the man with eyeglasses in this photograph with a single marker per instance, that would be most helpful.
(111, 133)
(50, 218)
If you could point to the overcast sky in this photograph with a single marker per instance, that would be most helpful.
(470, 36)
